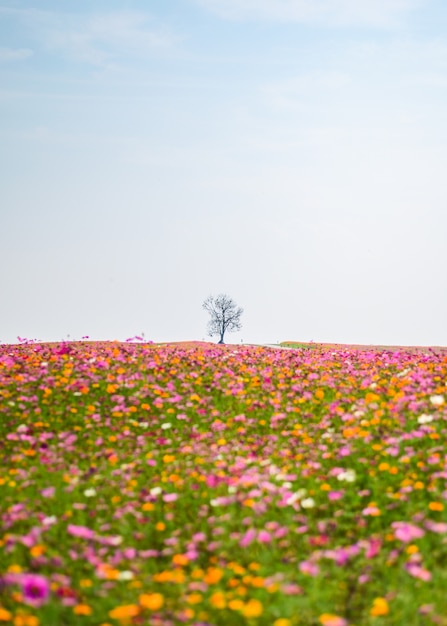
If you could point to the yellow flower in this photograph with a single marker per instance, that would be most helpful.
(282, 621)
(124, 611)
(253, 608)
(151, 601)
(379, 607)
(236, 605)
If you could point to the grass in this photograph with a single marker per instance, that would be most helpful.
(221, 485)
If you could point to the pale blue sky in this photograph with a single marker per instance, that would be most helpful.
(290, 153)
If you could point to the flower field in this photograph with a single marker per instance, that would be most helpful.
(222, 485)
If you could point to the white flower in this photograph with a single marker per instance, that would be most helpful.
(292, 499)
(232, 489)
(155, 491)
(308, 503)
(425, 419)
(126, 575)
(166, 425)
(116, 540)
(437, 400)
(348, 476)
(403, 372)
(49, 521)
(90, 493)
(144, 424)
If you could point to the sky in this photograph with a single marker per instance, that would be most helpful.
(289, 153)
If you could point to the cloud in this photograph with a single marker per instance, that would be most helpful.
(14, 54)
(101, 39)
(107, 38)
(293, 92)
(379, 13)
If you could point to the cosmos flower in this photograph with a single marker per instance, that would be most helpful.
(35, 589)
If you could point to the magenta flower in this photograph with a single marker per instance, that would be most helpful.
(35, 589)
(373, 548)
(335, 495)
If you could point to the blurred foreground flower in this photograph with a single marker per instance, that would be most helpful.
(379, 607)
(35, 589)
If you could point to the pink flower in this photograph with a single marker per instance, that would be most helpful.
(170, 497)
(418, 572)
(406, 532)
(35, 589)
(436, 527)
(48, 492)
(309, 568)
(247, 539)
(81, 531)
(335, 495)
(264, 536)
(373, 548)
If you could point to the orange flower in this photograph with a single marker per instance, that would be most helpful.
(327, 619)
(236, 605)
(5, 615)
(253, 608)
(194, 598)
(180, 559)
(379, 607)
(213, 575)
(37, 550)
(124, 611)
(26, 620)
(436, 506)
(82, 609)
(151, 601)
(217, 600)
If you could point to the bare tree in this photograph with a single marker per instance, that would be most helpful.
(225, 315)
